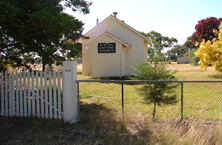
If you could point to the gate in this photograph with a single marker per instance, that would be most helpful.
(35, 93)
(40, 94)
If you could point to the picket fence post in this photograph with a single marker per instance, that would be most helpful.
(69, 77)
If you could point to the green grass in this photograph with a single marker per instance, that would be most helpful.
(202, 100)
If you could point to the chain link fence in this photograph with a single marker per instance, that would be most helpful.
(124, 98)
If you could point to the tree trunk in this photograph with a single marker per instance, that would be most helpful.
(154, 109)
(43, 64)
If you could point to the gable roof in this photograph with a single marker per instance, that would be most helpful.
(110, 35)
(118, 20)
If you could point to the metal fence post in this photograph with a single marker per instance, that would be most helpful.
(181, 100)
(122, 100)
(78, 103)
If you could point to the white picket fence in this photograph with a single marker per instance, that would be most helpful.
(26, 94)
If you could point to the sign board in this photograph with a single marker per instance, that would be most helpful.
(106, 47)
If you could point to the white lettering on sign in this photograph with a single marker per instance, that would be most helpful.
(67, 70)
(106, 47)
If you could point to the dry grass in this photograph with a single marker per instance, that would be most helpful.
(144, 130)
(189, 72)
(186, 67)
(185, 72)
(108, 129)
(79, 66)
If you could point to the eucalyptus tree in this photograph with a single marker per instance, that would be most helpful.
(162, 41)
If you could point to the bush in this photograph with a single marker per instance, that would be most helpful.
(158, 93)
(193, 58)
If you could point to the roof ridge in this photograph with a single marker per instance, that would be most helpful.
(111, 16)
(107, 33)
(98, 24)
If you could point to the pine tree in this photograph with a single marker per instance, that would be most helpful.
(158, 93)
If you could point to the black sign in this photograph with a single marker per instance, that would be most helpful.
(106, 47)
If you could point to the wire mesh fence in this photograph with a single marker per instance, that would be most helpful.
(202, 99)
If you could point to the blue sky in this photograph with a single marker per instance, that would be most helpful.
(172, 18)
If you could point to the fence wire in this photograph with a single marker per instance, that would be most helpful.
(202, 99)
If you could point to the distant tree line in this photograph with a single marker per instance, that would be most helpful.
(204, 30)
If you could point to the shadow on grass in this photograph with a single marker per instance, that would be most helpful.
(90, 111)
(28, 130)
(111, 78)
(98, 118)
(79, 73)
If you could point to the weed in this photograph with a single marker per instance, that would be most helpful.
(121, 126)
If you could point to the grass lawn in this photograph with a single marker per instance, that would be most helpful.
(185, 72)
(200, 99)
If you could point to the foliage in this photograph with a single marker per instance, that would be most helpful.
(70, 50)
(158, 93)
(189, 45)
(194, 59)
(154, 52)
(181, 50)
(194, 38)
(162, 41)
(210, 52)
(177, 51)
(204, 29)
(37, 26)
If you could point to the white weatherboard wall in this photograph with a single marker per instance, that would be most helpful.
(184, 59)
(106, 64)
(120, 63)
(70, 112)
